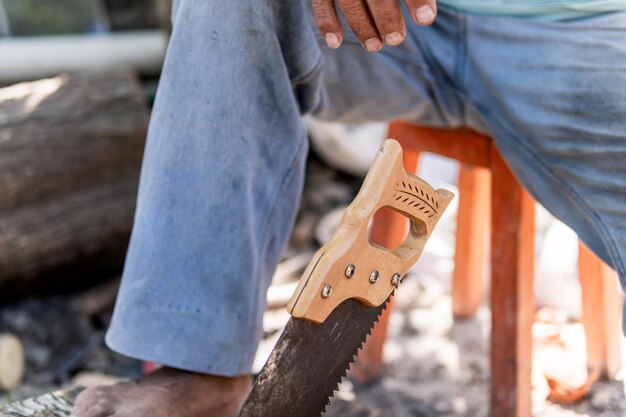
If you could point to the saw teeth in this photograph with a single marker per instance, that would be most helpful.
(354, 357)
(359, 346)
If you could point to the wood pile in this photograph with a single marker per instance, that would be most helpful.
(70, 154)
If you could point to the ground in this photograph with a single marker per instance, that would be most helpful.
(439, 367)
(436, 366)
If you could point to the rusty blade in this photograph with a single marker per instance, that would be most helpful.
(309, 361)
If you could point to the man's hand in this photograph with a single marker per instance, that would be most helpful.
(374, 22)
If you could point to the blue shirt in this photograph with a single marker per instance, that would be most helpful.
(551, 10)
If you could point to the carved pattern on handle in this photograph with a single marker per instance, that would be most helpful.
(417, 198)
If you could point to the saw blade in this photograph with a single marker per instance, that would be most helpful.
(309, 362)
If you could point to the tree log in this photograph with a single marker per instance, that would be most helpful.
(69, 132)
(74, 228)
(70, 155)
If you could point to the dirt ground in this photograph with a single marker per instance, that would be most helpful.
(435, 366)
(439, 367)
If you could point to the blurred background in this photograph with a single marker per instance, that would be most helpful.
(77, 82)
(44, 38)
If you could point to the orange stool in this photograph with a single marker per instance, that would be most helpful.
(486, 185)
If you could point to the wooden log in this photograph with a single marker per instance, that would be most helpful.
(70, 155)
(75, 228)
(11, 361)
(69, 132)
(52, 404)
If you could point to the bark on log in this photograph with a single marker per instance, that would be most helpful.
(76, 227)
(52, 404)
(68, 132)
(70, 155)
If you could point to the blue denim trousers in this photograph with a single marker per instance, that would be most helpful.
(224, 161)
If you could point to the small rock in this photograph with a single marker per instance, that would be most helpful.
(606, 398)
(443, 406)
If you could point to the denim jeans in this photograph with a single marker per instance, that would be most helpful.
(224, 162)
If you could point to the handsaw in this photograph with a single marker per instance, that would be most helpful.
(343, 291)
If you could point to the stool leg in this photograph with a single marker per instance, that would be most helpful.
(601, 308)
(388, 229)
(512, 298)
(468, 280)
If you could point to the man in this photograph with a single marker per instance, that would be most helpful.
(225, 155)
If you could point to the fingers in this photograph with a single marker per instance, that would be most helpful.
(374, 22)
(389, 20)
(328, 22)
(422, 11)
(361, 22)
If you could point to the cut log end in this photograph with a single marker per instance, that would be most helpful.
(11, 361)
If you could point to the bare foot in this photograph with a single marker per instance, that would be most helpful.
(165, 393)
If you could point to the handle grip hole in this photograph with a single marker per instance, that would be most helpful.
(403, 243)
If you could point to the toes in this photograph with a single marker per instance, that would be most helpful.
(96, 410)
(83, 401)
(93, 402)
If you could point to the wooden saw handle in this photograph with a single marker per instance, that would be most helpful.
(349, 266)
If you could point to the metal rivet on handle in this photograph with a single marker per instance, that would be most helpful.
(350, 271)
(395, 279)
(373, 277)
(327, 291)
